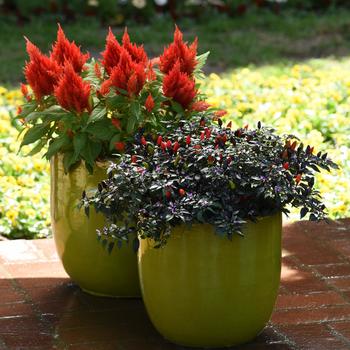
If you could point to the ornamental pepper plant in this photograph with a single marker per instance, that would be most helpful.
(89, 109)
(199, 172)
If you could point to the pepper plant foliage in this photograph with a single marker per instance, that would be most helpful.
(206, 174)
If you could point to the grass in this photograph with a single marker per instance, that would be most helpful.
(257, 38)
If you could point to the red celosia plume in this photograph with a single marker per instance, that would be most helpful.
(41, 72)
(137, 53)
(179, 86)
(111, 55)
(113, 51)
(179, 51)
(72, 93)
(65, 51)
(149, 103)
(200, 106)
(127, 75)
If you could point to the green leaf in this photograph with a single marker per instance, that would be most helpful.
(98, 113)
(135, 244)
(115, 102)
(114, 139)
(201, 59)
(131, 124)
(135, 109)
(303, 212)
(52, 113)
(68, 160)
(79, 141)
(110, 247)
(35, 133)
(38, 147)
(90, 152)
(101, 130)
(177, 107)
(27, 108)
(57, 145)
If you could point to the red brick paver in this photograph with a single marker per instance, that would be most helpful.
(41, 309)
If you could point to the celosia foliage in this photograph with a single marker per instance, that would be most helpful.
(65, 51)
(72, 93)
(178, 51)
(41, 72)
(179, 86)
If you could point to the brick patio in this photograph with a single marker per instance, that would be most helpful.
(40, 308)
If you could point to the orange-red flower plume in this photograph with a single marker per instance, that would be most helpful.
(149, 103)
(127, 75)
(111, 55)
(41, 72)
(179, 86)
(179, 51)
(65, 51)
(72, 93)
(200, 106)
(137, 53)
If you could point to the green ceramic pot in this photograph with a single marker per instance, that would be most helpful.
(83, 257)
(206, 291)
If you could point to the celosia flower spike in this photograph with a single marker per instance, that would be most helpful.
(149, 103)
(72, 93)
(200, 106)
(137, 53)
(111, 55)
(179, 51)
(127, 75)
(65, 51)
(41, 72)
(179, 86)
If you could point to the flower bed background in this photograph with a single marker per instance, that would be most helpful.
(312, 94)
(311, 99)
(117, 12)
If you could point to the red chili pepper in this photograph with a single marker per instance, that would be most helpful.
(168, 144)
(298, 178)
(116, 123)
(286, 165)
(202, 135)
(176, 146)
(211, 159)
(188, 140)
(133, 158)
(207, 132)
(143, 141)
(182, 192)
(119, 146)
(168, 194)
(159, 140)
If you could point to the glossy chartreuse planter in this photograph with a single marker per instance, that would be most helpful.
(83, 257)
(206, 291)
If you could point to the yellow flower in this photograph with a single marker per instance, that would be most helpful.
(12, 215)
